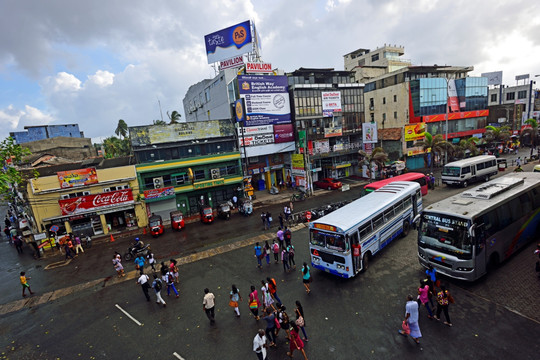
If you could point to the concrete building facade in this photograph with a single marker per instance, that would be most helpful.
(41, 132)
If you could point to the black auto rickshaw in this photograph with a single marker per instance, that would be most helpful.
(224, 210)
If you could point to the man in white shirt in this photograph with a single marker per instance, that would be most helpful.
(209, 304)
(145, 285)
(259, 345)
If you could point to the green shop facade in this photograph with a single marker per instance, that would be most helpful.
(186, 184)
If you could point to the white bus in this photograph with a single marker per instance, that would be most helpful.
(374, 220)
(465, 171)
(465, 234)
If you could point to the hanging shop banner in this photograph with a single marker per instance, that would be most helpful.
(236, 61)
(283, 133)
(161, 193)
(333, 131)
(453, 104)
(415, 132)
(256, 135)
(369, 133)
(74, 178)
(297, 161)
(301, 139)
(266, 99)
(331, 100)
(257, 67)
(230, 42)
(95, 202)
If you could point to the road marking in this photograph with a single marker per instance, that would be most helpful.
(178, 356)
(128, 315)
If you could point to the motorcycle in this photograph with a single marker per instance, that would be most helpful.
(299, 196)
(133, 252)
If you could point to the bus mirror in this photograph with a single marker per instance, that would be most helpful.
(471, 230)
(415, 221)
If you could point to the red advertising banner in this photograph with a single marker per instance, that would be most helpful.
(456, 116)
(283, 133)
(95, 202)
(74, 178)
(159, 193)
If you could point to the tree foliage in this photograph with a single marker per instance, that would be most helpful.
(115, 147)
(377, 156)
(497, 134)
(159, 122)
(532, 131)
(121, 129)
(11, 155)
(174, 117)
(438, 146)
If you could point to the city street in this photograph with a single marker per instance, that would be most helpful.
(77, 309)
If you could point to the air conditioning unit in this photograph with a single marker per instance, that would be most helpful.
(158, 182)
(215, 173)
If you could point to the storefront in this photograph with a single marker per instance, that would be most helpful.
(160, 201)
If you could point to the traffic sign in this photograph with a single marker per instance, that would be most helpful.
(54, 228)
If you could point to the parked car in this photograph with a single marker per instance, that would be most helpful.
(177, 220)
(207, 215)
(328, 183)
(156, 225)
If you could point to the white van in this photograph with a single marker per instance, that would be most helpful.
(465, 171)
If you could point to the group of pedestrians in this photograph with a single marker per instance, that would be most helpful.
(429, 288)
(266, 218)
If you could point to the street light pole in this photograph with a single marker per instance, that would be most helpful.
(446, 125)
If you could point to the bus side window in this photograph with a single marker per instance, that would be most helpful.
(418, 194)
(516, 209)
(465, 170)
(365, 230)
(388, 214)
(421, 181)
(398, 207)
(536, 197)
(377, 222)
(480, 166)
(407, 203)
(526, 203)
(504, 215)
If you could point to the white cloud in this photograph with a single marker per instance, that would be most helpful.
(12, 118)
(102, 78)
(62, 82)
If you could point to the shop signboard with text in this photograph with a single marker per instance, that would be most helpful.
(160, 193)
(331, 100)
(415, 132)
(230, 42)
(283, 133)
(95, 202)
(266, 99)
(79, 177)
(256, 135)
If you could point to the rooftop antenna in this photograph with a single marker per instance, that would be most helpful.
(161, 112)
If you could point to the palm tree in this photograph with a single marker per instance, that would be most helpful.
(115, 147)
(121, 129)
(174, 117)
(466, 146)
(497, 134)
(378, 157)
(159, 122)
(532, 131)
(437, 144)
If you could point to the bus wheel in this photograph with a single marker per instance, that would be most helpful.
(487, 178)
(465, 184)
(365, 262)
(406, 228)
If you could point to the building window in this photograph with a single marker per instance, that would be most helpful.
(115, 188)
(199, 175)
(384, 100)
(522, 94)
(371, 103)
(395, 98)
(510, 96)
(207, 94)
(372, 117)
(375, 57)
(395, 114)
(179, 179)
(493, 98)
(384, 117)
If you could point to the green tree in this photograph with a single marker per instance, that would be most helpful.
(532, 131)
(115, 147)
(438, 146)
(11, 155)
(121, 129)
(159, 122)
(377, 156)
(497, 134)
(466, 146)
(174, 117)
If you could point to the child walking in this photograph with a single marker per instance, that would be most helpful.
(24, 283)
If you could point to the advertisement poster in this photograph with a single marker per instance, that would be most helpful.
(159, 193)
(415, 132)
(369, 133)
(95, 202)
(228, 43)
(74, 178)
(297, 161)
(266, 99)
(256, 135)
(321, 146)
(332, 131)
(283, 133)
(331, 100)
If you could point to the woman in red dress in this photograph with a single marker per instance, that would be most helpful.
(295, 343)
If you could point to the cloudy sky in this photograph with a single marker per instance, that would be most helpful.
(95, 62)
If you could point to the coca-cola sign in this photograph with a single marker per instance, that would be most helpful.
(95, 202)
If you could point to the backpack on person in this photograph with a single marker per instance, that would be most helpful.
(158, 285)
(276, 248)
(288, 235)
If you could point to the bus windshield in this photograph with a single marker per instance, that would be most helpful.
(448, 234)
(329, 240)
(451, 171)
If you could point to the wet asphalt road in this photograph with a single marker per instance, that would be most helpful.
(346, 319)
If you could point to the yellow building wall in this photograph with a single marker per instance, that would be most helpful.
(44, 193)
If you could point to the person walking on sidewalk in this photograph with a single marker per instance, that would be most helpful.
(443, 300)
(24, 283)
(267, 299)
(272, 286)
(209, 305)
(67, 249)
(263, 219)
(285, 260)
(300, 319)
(144, 281)
(152, 261)
(267, 251)
(280, 238)
(117, 263)
(288, 236)
(235, 298)
(259, 345)
(270, 326)
(18, 244)
(139, 262)
(295, 342)
(306, 277)
(157, 285)
(292, 264)
(78, 245)
(423, 296)
(411, 318)
(275, 249)
(254, 302)
(269, 220)
(170, 284)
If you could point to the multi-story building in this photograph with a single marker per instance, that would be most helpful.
(368, 64)
(92, 197)
(511, 105)
(72, 148)
(182, 166)
(267, 141)
(41, 132)
(328, 112)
